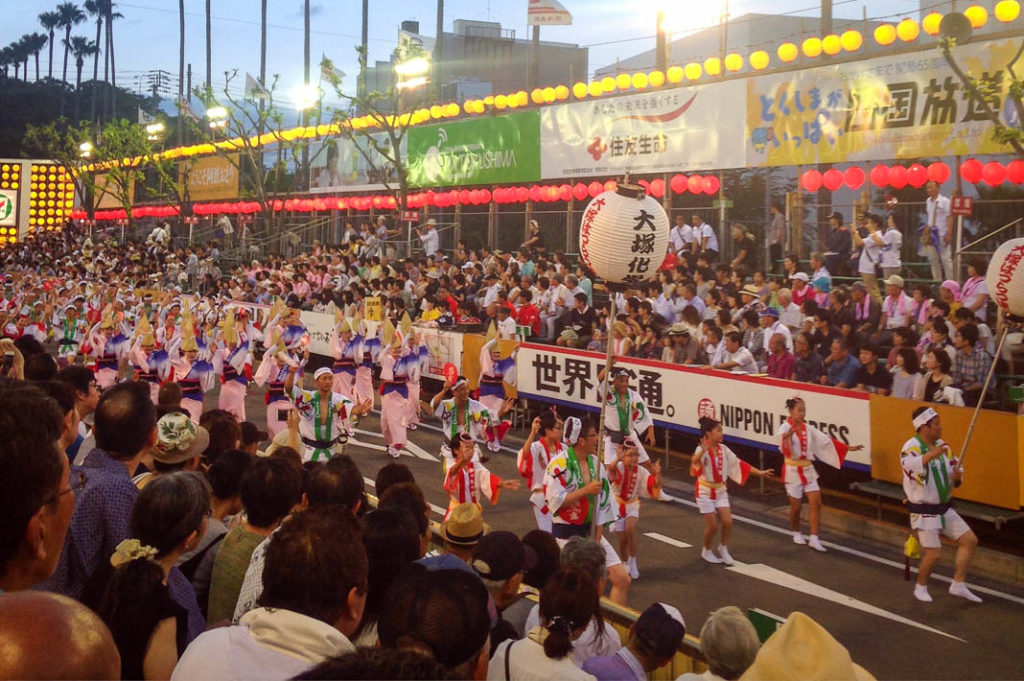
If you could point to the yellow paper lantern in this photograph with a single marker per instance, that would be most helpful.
(788, 52)
(522, 97)
(733, 62)
(561, 92)
(885, 34)
(549, 95)
(579, 90)
(537, 96)
(692, 71)
(640, 81)
(623, 81)
(830, 45)
(513, 100)
(1007, 10)
(469, 106)
(931, 22)
(608, 84)
(759, 60)
(500, 102)
(656, 78)
(674, 74)
(713, 66)
(595, 88)
(908, 30)
(436, 111)
(811, 47)
(851, 40)
(977, 15)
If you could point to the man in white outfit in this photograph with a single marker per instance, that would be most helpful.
(937, 240)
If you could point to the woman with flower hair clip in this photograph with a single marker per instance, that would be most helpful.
(801, 444)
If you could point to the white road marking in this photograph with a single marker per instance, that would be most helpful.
(668, 540)
(767, 573)
(437, 509)
(410, 449)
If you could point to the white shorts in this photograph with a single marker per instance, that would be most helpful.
(611, 450)
(705, 504)
(632, 511)
(796, 490)
(930, 526)
(611, 557)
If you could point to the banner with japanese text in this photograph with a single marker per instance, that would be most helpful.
(906, 106)
(342, 164)
(751, 408)
(475, 151)
(210, 178)
(687, 128)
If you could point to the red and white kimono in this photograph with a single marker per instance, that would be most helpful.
(801, 445)
(532, 464)
(628, 485)
(470, 483)
(713, 466)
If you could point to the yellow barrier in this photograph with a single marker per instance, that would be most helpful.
(994, 459)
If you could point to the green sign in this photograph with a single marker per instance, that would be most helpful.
(727, 203)
(475, 151)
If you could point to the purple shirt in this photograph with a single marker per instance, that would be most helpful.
(780, 366)
(622, 666)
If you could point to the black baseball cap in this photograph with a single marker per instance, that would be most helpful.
(500, 555)
(251, 433)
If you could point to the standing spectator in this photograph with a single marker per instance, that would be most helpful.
(500, 560)
(780, 360)
(745, 248)
(870, 254)
(937, 234)
(729, 643)
(314, 590)
(871, 377)
(680, 237)
(972, 364)
(774, 236)
(430, 239)
(838, 243)
(891, 241)
(808, 365)
(841, 366)
(228, 231)
(705, 241)
(87, 395)
(974, 293)
(653, 641)
(37, 489)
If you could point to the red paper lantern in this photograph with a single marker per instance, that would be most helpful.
(565, 192)
(579, 191)
(678, 184)
(551, 193)
(853, 177)
(898, 177)
(464, 196)
(938, 172)
(1015, 171)
(971, 170)
(709, 183)
(536, 193)
(611, 185)
(522, 194)
(917, 175)
(694, 184)
(278, 205)
(485, 196)
(646, 185)
(879, 175)
(658, 188)
(811, 180)
(595, 188)
(994, 173)
(832, 179)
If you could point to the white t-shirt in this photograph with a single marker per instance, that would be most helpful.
(707, 232)
(431, 242)
(746, 362)
(891, 251)
(588, 645)
(870, 256)
(681, 237)
(972, 289)
(938, 213)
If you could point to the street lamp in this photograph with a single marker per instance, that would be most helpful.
(305, 96)
(414, 67)
(85, 149)
(154, 131)
(218, 117)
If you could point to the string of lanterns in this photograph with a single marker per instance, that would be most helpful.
(917, 175)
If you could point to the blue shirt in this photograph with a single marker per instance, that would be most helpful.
(844, 372)
(622, 666)
(184, 595)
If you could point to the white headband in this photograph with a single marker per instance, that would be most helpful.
(573, 426)
(459, 382)
(924, 417)
(322, 371)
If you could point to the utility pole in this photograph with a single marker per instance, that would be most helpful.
(305, 111)
(534, 78)
(209, 50)
(660, 44)
(438, 50)
(824, 195)
(364, 40)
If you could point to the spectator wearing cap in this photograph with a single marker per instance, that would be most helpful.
(871, 377)
(252, 436)
(895, 309)
(772, 324)
(548, 554)
(179, 443)
(801, 289)
(429, 238)
(684, 347)
(654, 639)
(500, 559)
(821, 287)
(729, 643)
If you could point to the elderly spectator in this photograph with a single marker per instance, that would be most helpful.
(972, 364)
(867, 312)
(729, 643)
(841, 366)
(737, 358)
(684, 348)
(808, 365)
(790, 313)
(780, 360)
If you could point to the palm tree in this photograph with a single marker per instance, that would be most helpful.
(70, 16)
(110, 16)
(82, 48)
(95, 8)
(35, 42)
(50, 21)
(6, 59)
(24, 52)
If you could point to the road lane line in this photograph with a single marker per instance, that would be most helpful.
(668, 540)
(767, 573)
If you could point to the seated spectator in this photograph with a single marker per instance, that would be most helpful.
(409, 496)
(442, 614)
(737, 358)
(729, 643)
(972, 364)
(780, 360)
(528, 315)
(314, 589)
(579, 326)
(906, 374)
(548, 556)
(937, 377)
(34, 625)
(824, 333)
(871, 377)
(867, 312)
(653, 641)
(376, 663)
(753, 335)
(252, 436)
(40, 367)
(270, 489)
(790, 313)
(985, 338)
(568, 605)
(903, 337)
(840, 366)
(500, 559)
(37, 488)
(150, 628)
(802, 649)
(714, 345)
(808, 365)
(939, 339)
(683, 348)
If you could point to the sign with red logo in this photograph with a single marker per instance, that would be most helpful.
(962, 205)
(410, 216)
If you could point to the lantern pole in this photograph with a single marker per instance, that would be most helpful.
(612, 290)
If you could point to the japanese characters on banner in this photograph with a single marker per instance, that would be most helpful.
(907, 106)
(751, 409)
(319, 326)
(695, 128)
(211, 178)
(444, 347)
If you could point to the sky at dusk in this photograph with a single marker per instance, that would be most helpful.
(147, 37)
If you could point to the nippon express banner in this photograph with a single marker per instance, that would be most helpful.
(750, 408)
(908, 106)
(689, 128)
(475, 151)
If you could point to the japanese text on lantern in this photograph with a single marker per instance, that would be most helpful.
(642, 246)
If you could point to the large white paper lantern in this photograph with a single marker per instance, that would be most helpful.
(624, 235)
(1005, 277)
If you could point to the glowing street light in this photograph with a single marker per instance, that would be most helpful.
(85, 149)
(154, 131)
(305, 96)
(416, 66)
(412, 83)
(218, 117)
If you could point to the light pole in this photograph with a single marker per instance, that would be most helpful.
(217, 117)
(409, 75)
(304, 98)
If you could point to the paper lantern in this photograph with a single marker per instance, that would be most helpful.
(931, 22)
(694, 184)
(522, 194)
(623, 81)
(674, 74)
(853, 177)
(917, 175)
(678, 184)
(759, 60)
(971, 169)
(579, 90)
(994, 173)
(713, 66)
(938, 172)
(1007, 11)
(1005, 277)
(640, 81)
(811, 180)
(658, 188)
(656, 78)
(564, 192)
(595, 89)
(500, 102)
(608, 84)
(561, 93)
(885, 34)
(610, 185)
(624, 235)
(692, 71)
(851, 40)
(535, 193)
(788, 52)
(579, 191)
(595, 188)
(977, 15)
(549, 95)
(733, 62)
(832, 179)
(908, 30)
(830, 45)
(537, 96)
(898, 177)
(811, 47)
(1015, 171)
(709, 184)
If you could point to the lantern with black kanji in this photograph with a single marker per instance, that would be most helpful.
(1005, 277)
(624, 235)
